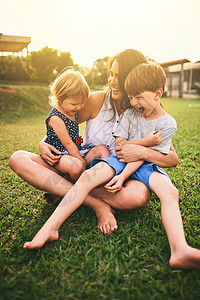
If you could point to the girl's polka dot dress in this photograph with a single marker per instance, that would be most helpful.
(73, 130)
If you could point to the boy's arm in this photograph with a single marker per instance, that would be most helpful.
(62, 133)
(115, 184)
(153, 138)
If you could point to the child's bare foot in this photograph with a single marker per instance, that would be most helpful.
(188, 258)
(44, 235)
(51, 198)
(106, 219)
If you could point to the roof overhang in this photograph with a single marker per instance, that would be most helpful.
(12, 43)
(175, 62)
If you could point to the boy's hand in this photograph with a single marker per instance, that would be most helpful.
(153, 138)
(115, 184)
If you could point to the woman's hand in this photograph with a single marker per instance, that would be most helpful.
(115, 184)
(46, 152)
(128, 152)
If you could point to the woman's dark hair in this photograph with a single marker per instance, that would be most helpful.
(127, 60)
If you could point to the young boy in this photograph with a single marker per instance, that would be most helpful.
(144, 85)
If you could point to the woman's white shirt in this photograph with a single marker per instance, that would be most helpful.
(99, 131)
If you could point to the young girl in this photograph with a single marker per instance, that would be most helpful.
(69, 92)
(145, 98)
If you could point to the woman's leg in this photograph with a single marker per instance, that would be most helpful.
(182, 255)
(34, 170)
(133, 195)
(89, 179)
(100, 151)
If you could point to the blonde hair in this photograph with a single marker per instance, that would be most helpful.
(145, 77)
(69, 83)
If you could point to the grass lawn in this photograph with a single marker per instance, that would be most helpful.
(131, 263)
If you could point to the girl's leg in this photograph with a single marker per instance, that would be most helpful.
(34, 170)
(182, 255)
(89, 179)
(71, 165)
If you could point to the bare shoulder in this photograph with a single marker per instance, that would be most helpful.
(92, 106)
(55, 120)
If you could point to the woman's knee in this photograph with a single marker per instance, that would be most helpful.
(101, 151)
(16, 159)
(134, 198)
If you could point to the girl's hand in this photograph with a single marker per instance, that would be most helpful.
(115, 184)
(46, 152)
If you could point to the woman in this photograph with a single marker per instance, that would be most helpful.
(102, 113)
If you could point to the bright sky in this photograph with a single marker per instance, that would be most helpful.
(91, 29)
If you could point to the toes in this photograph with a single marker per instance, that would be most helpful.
(113, 228)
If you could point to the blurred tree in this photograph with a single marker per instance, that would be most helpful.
(43, 64)
(64, 60)
(98, 74)
(13, 68)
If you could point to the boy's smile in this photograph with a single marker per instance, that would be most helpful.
(146, 103)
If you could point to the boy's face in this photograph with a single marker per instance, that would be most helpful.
(145, 103)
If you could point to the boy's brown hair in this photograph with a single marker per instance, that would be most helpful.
(145, 77)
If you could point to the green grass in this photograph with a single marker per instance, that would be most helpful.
(131, 263)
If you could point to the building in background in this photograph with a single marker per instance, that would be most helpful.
(183, 78)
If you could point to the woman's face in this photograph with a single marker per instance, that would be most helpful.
(113, 81)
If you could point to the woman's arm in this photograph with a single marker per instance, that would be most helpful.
(130, 152)
(46, 152)
(92, 107)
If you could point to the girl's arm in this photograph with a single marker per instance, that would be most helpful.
(62, 133)
(129, 152)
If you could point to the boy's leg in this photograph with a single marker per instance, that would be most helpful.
(35, 171)
(89, 179)
(182, 255)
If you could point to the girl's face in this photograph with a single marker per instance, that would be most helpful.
(71, 105)
(113, 81)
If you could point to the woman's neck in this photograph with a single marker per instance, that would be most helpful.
(118, 107)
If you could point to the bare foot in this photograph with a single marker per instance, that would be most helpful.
(106, 219)
(51, 198)
(188, 258)
(44, 235)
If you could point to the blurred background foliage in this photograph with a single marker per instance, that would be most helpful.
(44, 65)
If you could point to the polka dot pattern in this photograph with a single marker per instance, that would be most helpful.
(71, 126)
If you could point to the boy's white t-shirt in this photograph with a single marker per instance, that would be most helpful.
(133, 126)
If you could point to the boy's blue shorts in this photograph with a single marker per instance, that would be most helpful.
(142, 173)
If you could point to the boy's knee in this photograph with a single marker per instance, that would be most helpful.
(85, 176)
(174, 191)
